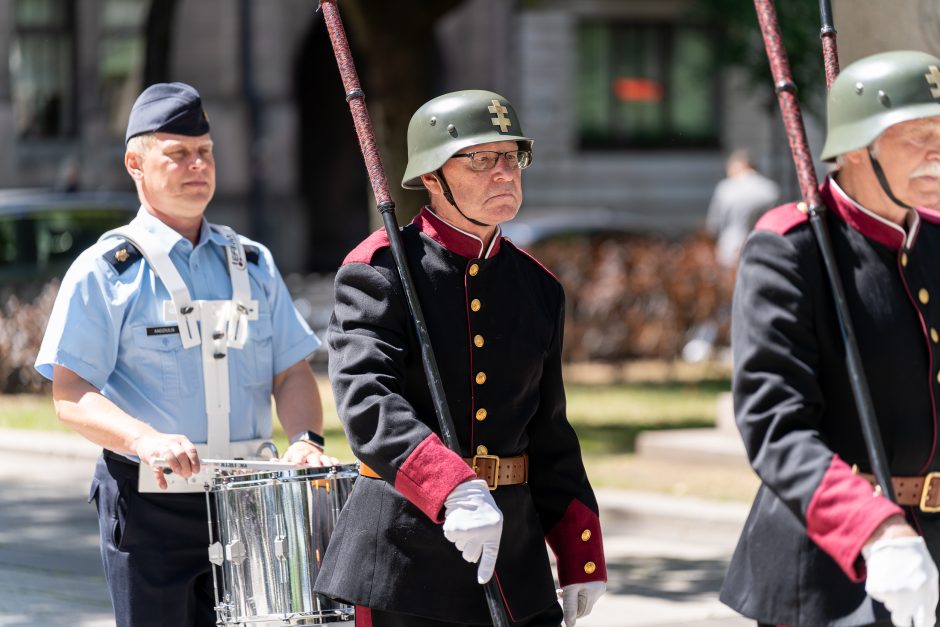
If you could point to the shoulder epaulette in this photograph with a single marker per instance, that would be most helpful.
(782, 219)
(252, 254)
(365, 251)
(122, 256)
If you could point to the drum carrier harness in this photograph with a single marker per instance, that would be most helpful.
(215, 325)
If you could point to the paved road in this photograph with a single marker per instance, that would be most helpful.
(50, 569)
(666, 556)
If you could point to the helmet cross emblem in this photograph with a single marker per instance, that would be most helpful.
(933, 79)
(503, 122)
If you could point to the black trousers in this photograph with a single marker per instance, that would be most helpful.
(365, 617)
(155, 551)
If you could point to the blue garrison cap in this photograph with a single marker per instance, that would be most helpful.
(169, 108)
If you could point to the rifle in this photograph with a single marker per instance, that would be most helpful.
(812, 203)
(386, 206)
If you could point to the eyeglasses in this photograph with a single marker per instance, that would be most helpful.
(487, 159)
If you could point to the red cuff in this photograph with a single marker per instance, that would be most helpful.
(429, 474)
(843, 514)
(578, 547)
(363, 616)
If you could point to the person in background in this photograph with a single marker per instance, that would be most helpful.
(737, 203)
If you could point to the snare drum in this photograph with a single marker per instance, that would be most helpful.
(268, 532)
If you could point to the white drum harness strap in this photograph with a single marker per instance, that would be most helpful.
(216, 325)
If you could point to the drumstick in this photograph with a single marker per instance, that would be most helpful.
(249, 463)
(232, 463)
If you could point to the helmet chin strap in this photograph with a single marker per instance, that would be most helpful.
(439, 173)
(883, 181)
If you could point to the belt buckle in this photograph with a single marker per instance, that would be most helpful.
(925, 493)
(492, 485)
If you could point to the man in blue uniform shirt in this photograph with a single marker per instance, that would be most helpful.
(167, 341)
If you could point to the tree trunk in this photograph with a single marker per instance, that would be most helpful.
(159, 32)
(402, 68)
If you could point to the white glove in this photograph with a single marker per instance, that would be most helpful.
(578, 599)
(902, 575)
(474, 523)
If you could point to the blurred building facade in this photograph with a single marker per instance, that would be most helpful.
(625, 98)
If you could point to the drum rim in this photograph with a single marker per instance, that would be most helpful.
(317, 473)
(345, 613)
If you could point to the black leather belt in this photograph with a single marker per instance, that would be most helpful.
(119, 458)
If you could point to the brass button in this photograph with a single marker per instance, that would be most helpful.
(478, 341)
(903, 260)
(475, 304)
(923, 295)
(474, 268)
(482, 450)
(481, 377)
(481, 414)
(938, 377)
(585, 535)
(934, 335)
(590, 567)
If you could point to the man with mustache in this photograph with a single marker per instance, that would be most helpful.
(166, 342)
(822, 546)
(495, 317)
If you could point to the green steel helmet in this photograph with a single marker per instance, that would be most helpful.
(449, 123)
(877, 92)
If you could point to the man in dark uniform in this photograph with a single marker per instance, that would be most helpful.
(495, 317)
(821, 546)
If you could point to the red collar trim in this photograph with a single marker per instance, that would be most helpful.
(863, 220)
(453, 239)
(929, 215)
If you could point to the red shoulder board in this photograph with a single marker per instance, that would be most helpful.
(364, 252)
(781, 219)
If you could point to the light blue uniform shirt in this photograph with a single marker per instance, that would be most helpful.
(108, 328)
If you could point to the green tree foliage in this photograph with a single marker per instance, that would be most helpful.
(401, 63)
(743, 46)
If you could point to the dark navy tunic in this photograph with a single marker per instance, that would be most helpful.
(798, 560)
(495, 318)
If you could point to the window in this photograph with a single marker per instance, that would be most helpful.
(647, 86)
(42, 68)
(121, 59)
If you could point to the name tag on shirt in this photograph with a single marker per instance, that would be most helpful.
(173, 330)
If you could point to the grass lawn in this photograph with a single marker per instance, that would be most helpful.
(26, 411)
(608, 418)
(607, 415)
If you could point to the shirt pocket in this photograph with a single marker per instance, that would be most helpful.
(255, 362)
(163, 365)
